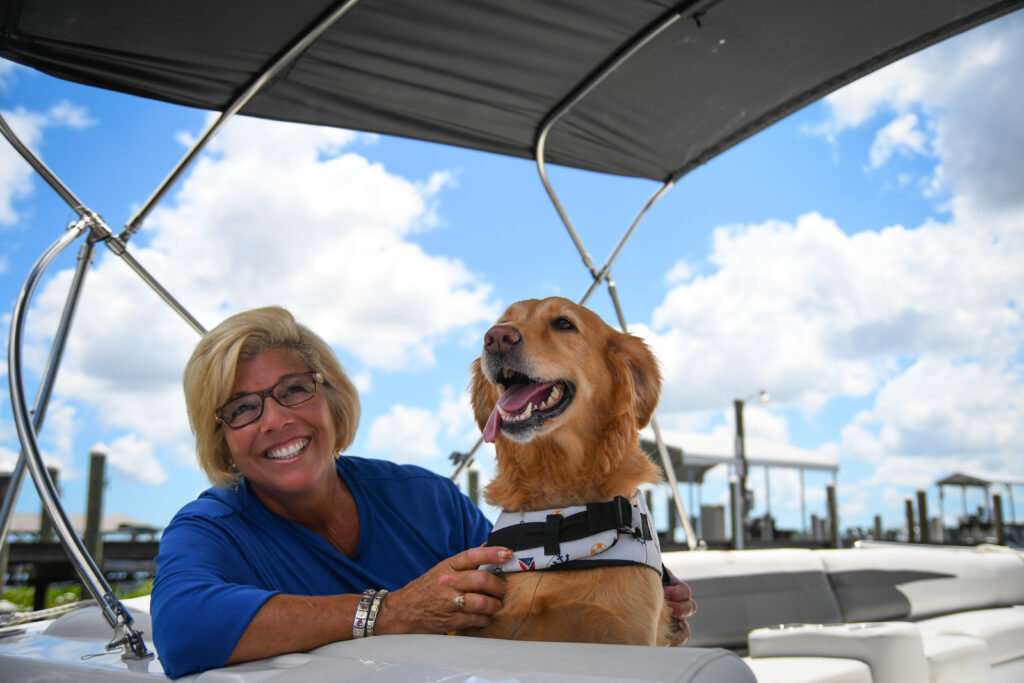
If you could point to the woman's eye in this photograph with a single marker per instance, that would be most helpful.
(295, 390)
(241, 409)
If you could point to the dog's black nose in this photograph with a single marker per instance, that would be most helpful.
(501, 339)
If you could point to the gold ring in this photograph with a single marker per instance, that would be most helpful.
(460, 601)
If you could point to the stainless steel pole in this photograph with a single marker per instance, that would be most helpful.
(114, 612)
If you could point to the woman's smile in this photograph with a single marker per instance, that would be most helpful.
(289, 450)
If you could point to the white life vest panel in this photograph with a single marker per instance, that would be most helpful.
(617, 532)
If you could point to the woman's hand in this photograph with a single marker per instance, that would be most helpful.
(432, 602)
(681, 605)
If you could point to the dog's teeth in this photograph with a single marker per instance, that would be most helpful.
(528, 412)
(553, 398)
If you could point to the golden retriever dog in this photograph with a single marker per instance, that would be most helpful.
(562, 395)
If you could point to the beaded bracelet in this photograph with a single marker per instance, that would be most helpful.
(362, 611)
(374, 609)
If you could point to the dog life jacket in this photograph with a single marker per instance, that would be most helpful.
(615, 533)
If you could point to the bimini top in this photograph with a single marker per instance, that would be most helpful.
(700, 76)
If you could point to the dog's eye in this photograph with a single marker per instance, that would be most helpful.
(562, 324)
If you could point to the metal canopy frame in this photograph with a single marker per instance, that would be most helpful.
(604, 274)
(126, 638)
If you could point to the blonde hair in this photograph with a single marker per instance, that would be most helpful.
(210, 376)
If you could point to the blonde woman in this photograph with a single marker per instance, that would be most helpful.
(295, 546)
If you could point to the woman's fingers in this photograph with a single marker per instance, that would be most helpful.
(680, 600)
(474, 581)
(474, 557)
(455, 594)
(464, 577)
(680, 632)
(478, 603)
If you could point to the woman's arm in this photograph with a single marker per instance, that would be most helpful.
(296, 623)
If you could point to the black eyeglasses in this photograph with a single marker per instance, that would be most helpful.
(291, 390)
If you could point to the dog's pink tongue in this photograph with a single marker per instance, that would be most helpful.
(519, 396)
(492, 426)
(514, 400)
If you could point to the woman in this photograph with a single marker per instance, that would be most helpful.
(284, 553)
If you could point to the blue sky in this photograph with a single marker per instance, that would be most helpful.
(860, 260)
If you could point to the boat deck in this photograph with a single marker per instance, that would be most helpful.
(880, 613)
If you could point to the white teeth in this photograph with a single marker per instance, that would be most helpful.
(516, 417)
(553, 398)
(288, 451)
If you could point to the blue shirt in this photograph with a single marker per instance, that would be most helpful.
(225, 554)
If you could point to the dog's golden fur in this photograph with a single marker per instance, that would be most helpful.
(588, 453)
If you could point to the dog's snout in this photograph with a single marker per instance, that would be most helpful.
(502, 339)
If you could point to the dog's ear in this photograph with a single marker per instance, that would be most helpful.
(482, 393)
(643, 373)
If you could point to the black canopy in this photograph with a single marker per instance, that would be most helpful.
(487, 74)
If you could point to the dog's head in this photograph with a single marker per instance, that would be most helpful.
(550, 367)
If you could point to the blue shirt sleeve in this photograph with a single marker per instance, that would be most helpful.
(201, 601)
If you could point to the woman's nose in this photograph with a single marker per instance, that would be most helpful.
(274, 414)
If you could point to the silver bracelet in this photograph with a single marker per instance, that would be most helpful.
(362, 611)
(374, 609)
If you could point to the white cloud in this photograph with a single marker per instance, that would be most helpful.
(134, 460)
(8, 459)
(409, 433)
(7, 74)
(931, 78)
(277, 214)
(809, 312)
(57, 437)
(900, 136)
(272, 214)
(15, 173)
(65, 113)
(966, 412)
(681, 272)
(969, 89)
(406, 433)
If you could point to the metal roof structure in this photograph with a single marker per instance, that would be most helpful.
(656, 87)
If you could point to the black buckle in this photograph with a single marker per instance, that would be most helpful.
(552, 535)
(623, 515)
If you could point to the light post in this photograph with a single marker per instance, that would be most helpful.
(740, 494)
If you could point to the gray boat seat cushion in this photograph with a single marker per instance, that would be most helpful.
(737, 592)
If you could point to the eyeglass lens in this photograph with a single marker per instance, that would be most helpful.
(291, 390)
